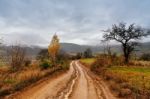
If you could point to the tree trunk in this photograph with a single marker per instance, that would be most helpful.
(127, 59)
(126, 54)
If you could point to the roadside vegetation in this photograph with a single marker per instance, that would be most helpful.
(129, 81)
(21, 71)
(127, 76)
(87, 61)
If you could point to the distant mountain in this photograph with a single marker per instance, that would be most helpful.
(70, 47)
(74, 48)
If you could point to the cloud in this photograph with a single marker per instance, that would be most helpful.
(35, 21)
(24, 38)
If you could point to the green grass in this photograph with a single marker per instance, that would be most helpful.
(88, 61)
(9, 81)
(137, 77)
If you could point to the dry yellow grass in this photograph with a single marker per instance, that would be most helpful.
(13, 81)
(141, 63)
(137, 78)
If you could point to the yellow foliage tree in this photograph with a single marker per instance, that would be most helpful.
(53, 48)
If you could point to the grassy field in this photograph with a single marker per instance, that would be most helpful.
(87, 61)
(123, 79)
(135, 78)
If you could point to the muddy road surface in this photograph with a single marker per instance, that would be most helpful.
(77, 83)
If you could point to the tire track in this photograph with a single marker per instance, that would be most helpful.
(81, 89)
(73, 90)
(92, 90)
(102, 90)
(99, 92)
(66, 92)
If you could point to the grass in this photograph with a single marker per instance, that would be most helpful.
(14, 81)
(88, 61)
(141, 63)
(138, 78)
(125, 80)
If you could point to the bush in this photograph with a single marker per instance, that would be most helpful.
(114, 86)
(45, 65)
(26, 82)
(145, 56)
(17, 56)
(27, 62)
(100, 64)
(65, 65)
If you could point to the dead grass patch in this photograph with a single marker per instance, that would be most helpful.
(14, 81)
(136, 79)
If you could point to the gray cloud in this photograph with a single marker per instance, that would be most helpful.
(35, 21)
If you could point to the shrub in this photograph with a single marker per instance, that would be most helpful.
(114, 86)
(4, 92)
(23, 83)
(45, 65)
(145, 56)
(65, 65)
(27, 62)
(16, 57)
(100, 64)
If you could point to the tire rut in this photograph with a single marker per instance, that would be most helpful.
(102, 91)
(92, 90)
(66, 91)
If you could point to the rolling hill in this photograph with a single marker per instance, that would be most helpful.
(74, 48)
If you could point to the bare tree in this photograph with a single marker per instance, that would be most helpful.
(87, 53)
(16, 56)
(127, 36)
(106, 47)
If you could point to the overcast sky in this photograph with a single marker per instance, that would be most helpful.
(75, 21)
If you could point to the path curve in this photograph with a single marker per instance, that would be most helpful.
(78, 83)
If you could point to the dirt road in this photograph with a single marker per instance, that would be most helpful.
(77, 83)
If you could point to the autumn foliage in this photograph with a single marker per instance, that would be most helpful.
(53, 48)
